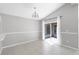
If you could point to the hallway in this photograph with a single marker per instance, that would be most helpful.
(39, 47)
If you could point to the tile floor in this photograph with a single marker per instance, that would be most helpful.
(39, 47)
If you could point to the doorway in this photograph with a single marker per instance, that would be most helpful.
(47, 31)
(51, 30)
(54, 30)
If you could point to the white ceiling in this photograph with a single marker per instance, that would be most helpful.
(26, 9)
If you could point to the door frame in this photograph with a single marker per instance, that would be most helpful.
(58, 28)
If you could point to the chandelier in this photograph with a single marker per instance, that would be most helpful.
(35, 14)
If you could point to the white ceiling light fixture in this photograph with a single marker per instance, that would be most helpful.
(35, 14)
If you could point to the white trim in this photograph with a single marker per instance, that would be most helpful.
(18, 43)
(43, 30)
(69, 47)
(78, 25)
(43, 27)
(51, 22)
(2, 36)
(69, 33)
(20, 32)
(58, 18)
(50, 30)
(59, 29)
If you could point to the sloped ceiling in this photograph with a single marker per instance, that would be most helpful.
(26, 9)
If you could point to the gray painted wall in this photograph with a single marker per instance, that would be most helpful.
(69, 24)
(0, 34)
(0, 25)
(20, 29)
(78, 25)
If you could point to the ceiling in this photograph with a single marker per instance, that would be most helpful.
(26, 9)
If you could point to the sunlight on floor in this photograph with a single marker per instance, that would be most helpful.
(52, 41)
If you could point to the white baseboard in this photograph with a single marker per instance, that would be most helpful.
(18, 43)
(69, 47)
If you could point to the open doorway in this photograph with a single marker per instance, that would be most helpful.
(54, 29)
(47, 31)
(51, 30)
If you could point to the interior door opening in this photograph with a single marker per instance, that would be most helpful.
(51, 31)
(54, 30)
(47, 31)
